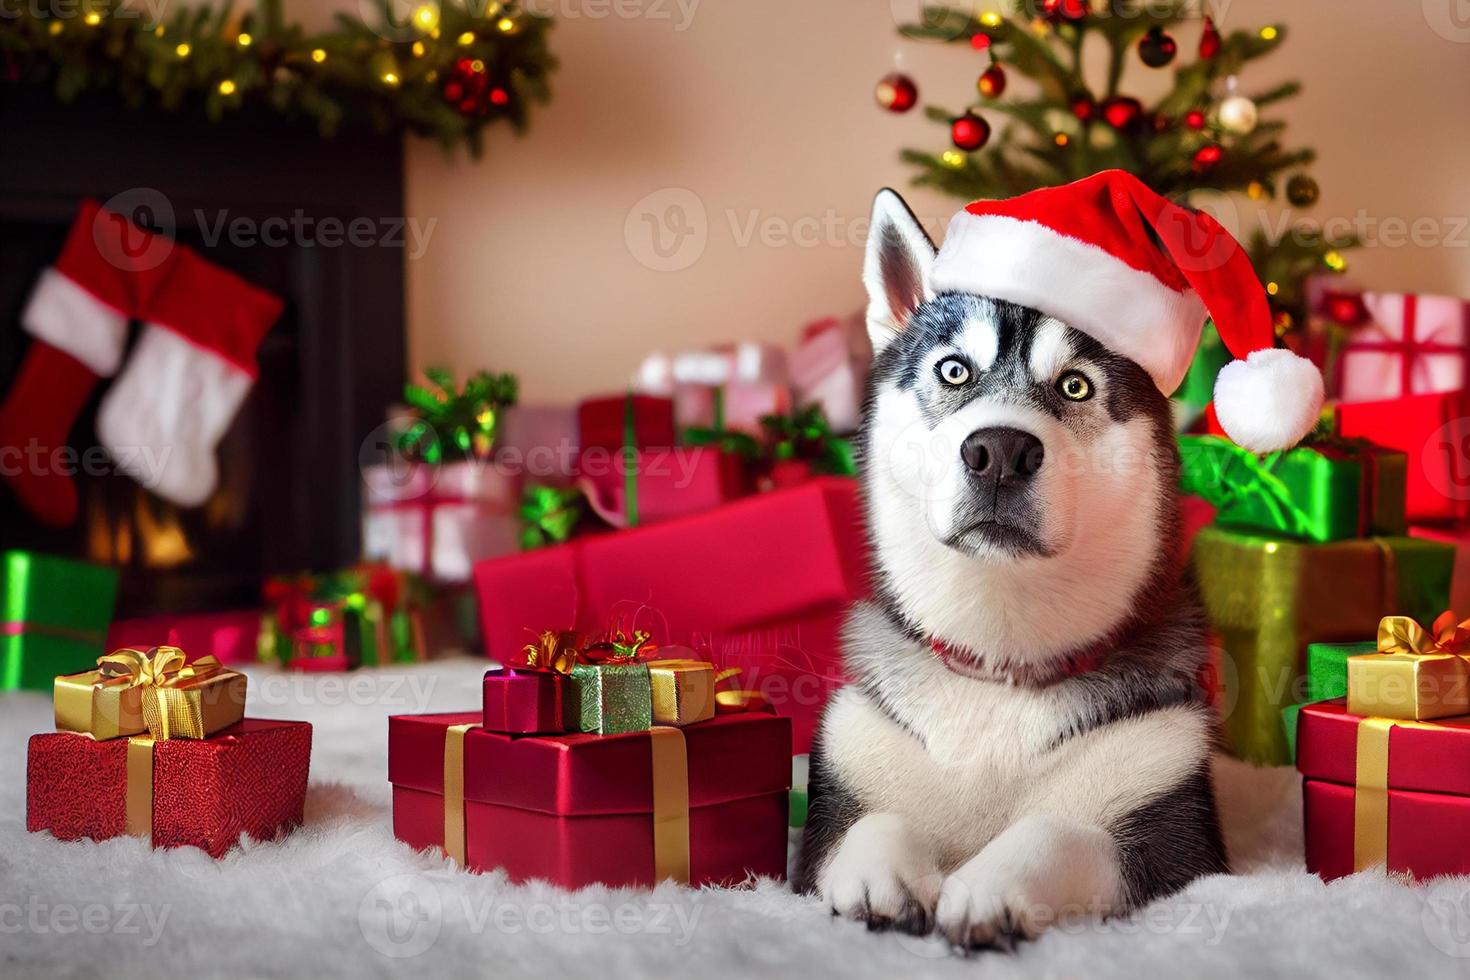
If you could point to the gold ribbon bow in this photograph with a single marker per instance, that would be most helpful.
(1417, 674)
(556, 652)
(159, 689)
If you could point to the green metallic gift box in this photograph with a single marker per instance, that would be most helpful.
(609, 698)
(55, 618)
(1269, 597)
(1332, 490)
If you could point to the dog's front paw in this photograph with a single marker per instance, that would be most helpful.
(880, 877)
(983, 907)
(1038, 870)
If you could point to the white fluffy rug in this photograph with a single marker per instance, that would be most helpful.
(341, 897)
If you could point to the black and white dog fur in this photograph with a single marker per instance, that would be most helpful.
(1022, 518)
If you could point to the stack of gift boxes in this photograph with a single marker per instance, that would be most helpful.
(596, 763)
(155, 745)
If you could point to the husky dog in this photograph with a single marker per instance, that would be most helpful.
(1024, 737)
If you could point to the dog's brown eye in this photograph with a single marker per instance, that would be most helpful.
(954, 371)
(1074, 386)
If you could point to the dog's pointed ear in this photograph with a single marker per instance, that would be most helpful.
(896, 269)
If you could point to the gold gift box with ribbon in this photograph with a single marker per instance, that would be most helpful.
(1416, 675)
(158, 690)
(683, 691)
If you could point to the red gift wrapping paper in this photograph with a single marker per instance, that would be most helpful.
(1434, 430)
(230, 637)
(600, 422)
(1427, 831)
(248, 779)
(1428, 793)
(577, 809)
(525, 701)
(671, 483)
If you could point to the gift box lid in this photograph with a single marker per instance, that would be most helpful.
(731, 757)
(772, 556)
(1428, 757)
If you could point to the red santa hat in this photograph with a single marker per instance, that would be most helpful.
(1139, 274)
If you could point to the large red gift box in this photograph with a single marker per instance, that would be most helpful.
(1434, 430)
(670, 483)
(760, 583)
(1426, 792)
(230, 637)
(249, 778)
(577, 810)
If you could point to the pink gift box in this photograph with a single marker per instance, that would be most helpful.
(231, 637)
(1411, 345)
(671, 483)
(733, 384)
(541, 441)
(830, 368)
(439, 520)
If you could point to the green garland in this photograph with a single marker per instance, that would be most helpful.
(447, 70)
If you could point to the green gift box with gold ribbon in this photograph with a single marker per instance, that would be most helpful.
(1330, 490)
(55, 618)
(1269, 597)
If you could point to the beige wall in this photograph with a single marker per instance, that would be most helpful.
(763, 110)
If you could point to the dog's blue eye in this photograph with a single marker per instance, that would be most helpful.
(1074, 386)
(954, 371)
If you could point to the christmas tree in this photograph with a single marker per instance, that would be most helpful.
(1203, 134)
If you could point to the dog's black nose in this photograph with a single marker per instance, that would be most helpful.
(1006, 453)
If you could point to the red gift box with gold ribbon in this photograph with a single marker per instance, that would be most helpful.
(760, 583)
(702, 804)
(154, 745)
(1384, 791)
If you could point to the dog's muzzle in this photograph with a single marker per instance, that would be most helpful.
(1002, 455)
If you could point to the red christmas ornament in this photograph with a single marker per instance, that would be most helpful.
(1346, 309)
(979, 41)
(896, 92)
(969, 132)
(1084, 108)
(1207, 157)
(468, 88)
(1156, 48)
(1064, 10)
(499, 96)
(1122, 112)
(1195, 119)
(992, 82)
(1209, 42)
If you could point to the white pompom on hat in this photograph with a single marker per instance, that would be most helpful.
(1139, 273)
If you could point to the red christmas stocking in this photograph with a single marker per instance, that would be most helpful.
(78, 314)
(186, 378)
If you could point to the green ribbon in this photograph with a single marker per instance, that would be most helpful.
(455, 423)
(630, 460)
(1331, 490)
(549, 515)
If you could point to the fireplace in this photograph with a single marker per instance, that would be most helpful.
(288, 497)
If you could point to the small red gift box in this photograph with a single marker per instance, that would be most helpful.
(669, 483)
(524, 702)
(602, 423)
(249, 778)
(1434, 430)
(1381, 791)
(705, 804)
(760, 583)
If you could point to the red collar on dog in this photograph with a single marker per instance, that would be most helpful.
(958, 659)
